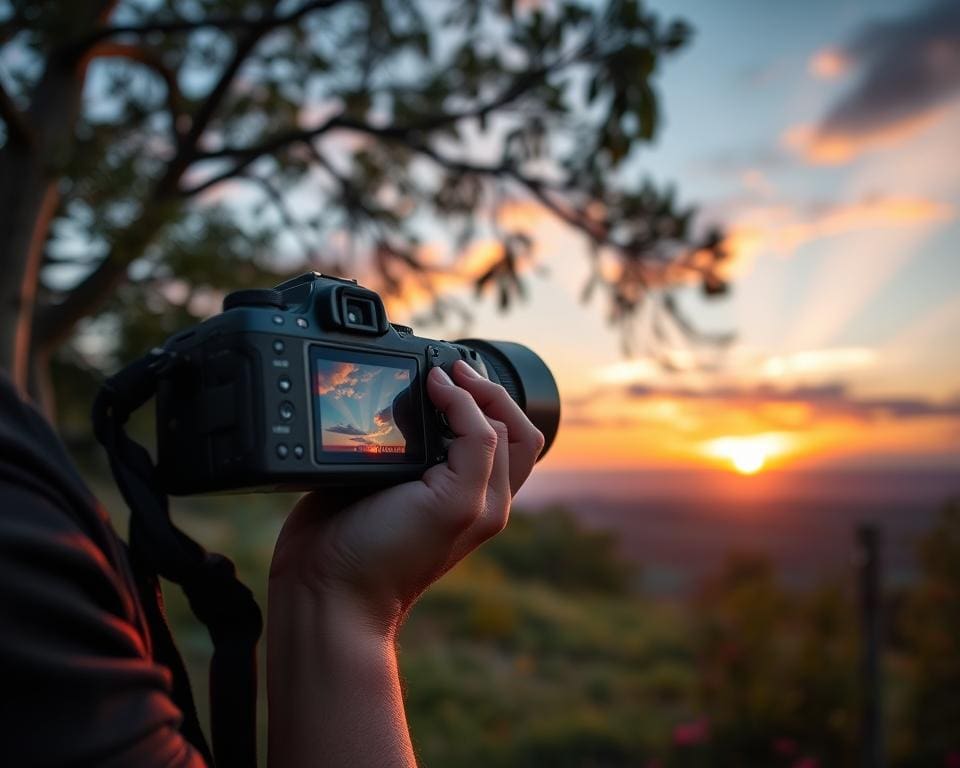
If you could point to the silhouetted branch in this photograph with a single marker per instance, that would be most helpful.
(149, 58)
(226, 23)
(403, 132)
(279, 202)
(18, 129)
(55, 320)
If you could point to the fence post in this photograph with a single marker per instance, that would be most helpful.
(871, 717)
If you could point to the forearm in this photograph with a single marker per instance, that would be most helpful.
(333, 686)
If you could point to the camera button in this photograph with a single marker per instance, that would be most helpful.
(284, 384)
(286, 410)
(278, 319)
(298, 451)
(282, 451)
(278, 346)
(302, 322)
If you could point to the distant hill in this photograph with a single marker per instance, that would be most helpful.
(680, 525)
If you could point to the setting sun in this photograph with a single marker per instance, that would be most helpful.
(748, 460)
(747, 455)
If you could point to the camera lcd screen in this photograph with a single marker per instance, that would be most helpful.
(366, 407)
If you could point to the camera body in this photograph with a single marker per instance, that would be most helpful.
(308, 385)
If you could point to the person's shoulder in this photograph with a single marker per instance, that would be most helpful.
(75, 652)
(51, 526)
(32, 455)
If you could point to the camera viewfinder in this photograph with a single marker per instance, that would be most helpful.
(359, 313)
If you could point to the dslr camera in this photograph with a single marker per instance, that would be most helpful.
(308, 385)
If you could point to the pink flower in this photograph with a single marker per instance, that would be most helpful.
(691, 734)
(806, 762)
(785, 747)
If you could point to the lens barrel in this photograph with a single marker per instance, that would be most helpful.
(527, 379)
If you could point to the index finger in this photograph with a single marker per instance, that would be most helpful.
(470, 455)
(525, 440)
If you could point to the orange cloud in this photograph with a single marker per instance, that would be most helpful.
(781, 229)
(828, 63)
(908, 73)
(340, 375)
(745, 425)
(822, 145)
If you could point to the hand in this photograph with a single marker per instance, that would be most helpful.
(377, 553)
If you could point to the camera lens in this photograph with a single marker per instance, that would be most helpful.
(527, 379)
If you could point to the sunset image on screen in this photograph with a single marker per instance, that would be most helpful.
(356, 406)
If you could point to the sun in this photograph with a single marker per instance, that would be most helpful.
(746, 455)
(748, 459)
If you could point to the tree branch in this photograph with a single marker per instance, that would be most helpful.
(598, 233)
(286, 215)
(18, 127)
(149, 58)
(225, 23)
(55, 321)
(246, 155)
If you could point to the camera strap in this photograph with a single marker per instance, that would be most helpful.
(158, 548)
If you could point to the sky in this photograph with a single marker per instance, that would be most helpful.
(356, 404)
(825, 138)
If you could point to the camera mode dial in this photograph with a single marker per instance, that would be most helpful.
(254, 297)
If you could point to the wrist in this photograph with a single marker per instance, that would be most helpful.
(331, 611)
(332, 681)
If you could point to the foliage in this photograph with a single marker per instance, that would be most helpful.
(777, 669)
(551, 547)
(929, 629)
(221, 141)
(503, 667)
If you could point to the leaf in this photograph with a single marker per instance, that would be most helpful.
(678, 34)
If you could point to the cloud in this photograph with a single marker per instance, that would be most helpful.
(346, 429)
(343, 380)
(362, 440)
(383, 418)
(782, 229)
(339, 375)
(909, 68)
(818, 361)
(833, 399)
(829, 63)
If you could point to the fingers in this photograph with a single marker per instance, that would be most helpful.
(525, 440)
(497, 506)
(470, 456)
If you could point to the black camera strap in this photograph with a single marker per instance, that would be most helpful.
(158, 548)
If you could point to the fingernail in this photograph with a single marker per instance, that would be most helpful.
(442, 377)
(466, 368)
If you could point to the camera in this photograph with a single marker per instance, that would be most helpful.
(308, 385)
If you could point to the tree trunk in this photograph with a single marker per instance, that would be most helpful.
(29, 174)
(28, 199)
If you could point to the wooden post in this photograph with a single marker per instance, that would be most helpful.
(871, 718)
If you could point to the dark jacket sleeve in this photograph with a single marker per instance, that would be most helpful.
(77, 682)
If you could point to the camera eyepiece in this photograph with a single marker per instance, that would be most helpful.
(359, 313)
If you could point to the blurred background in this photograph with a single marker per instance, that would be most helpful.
(730, 229)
